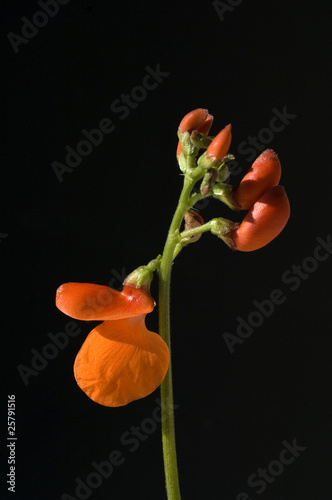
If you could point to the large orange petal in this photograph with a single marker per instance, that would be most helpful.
(88, 301)
(121, 361)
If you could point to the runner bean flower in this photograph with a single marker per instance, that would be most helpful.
(121, 360)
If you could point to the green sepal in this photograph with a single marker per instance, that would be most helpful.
(188, 147)
(143, 275)
(182, 162)
(200, 140)
(223, 228)
(224, 193)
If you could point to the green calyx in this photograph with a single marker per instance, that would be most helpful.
(188, 148)
(200, 140)
(223, 228)
(224, 192)
(142, 276)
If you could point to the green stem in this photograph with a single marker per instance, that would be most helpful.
(196, 230)
(167, 412)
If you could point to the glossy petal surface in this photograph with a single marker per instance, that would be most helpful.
(193, 120)
(263, 174)
(88, 301)
(264, 221)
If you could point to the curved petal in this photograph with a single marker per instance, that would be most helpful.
(193, 120)
(263, 174)
(121, 361)
(264, 221)
(88, 301)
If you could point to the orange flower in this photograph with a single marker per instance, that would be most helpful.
(263, 174)
(263, 222)
(198, 119)
(121, 360)
(193, 120)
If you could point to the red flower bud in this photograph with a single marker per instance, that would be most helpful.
(204, 128)
(263, 222)
(220, 144)
(193, 120)
(263, 174)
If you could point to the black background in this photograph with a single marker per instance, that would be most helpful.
(111, 214)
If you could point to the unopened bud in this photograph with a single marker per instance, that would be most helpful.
(216, 153)
(140, 278)
(193, 120)
(192, 219)
(220, 144)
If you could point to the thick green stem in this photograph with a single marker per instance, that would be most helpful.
(168, 429)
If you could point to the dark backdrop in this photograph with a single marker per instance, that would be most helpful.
(236, 412)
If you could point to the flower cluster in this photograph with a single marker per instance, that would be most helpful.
(121, 360)
(258, 192)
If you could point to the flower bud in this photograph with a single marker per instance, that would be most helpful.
(192, 219)
(217, 150)
(220, 144)
(264, 221)
(141, 278)
(263, 174)
(204, 129)
(193, 120)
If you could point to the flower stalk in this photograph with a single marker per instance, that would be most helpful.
(167, 412)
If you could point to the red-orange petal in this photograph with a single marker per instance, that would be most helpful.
(263, 174)
(179, 149)
(221, 143)
(206, 125)
(193, 120)
(88, 301)
(263, 222)
(121, 361)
